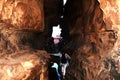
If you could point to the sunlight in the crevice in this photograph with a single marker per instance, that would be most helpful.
(56, 31)
(64, 2)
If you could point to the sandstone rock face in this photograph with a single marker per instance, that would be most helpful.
(92, 37)
(93, 27)
(111, 13)
(18, 59)
(22, 15)
(21, 23)
(112, 18)
(24, 65)
(12, 40)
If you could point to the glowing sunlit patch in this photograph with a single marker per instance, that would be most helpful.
(27, 64)
(111, 11)
(56, 32)
(64, 2)
(9, 73)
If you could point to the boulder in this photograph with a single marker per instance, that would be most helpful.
(24, 65)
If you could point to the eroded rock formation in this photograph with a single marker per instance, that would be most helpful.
(111, 16)
(21, 38)
(93, 31)
(12, 40)
(24, 65)
(22, 14)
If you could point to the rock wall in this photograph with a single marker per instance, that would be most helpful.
(92, 37)
(22, 14)
(93, 31)
(22, 29)
(12, 40)
(24, 65)
(21, 39)
(112, 18)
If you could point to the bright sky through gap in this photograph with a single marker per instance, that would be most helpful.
(64, 2)
(56, 31)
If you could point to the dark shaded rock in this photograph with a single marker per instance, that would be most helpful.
(53, 10)
(12, 40)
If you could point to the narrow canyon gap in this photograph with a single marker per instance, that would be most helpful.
(91, 28)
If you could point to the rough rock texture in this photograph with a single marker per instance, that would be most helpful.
(21, 38)
(93, 31)
(24, 65)
(12, 40)
(112, 18)
(92, 38)
(22, 14)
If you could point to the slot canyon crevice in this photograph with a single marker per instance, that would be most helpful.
(90, 27)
